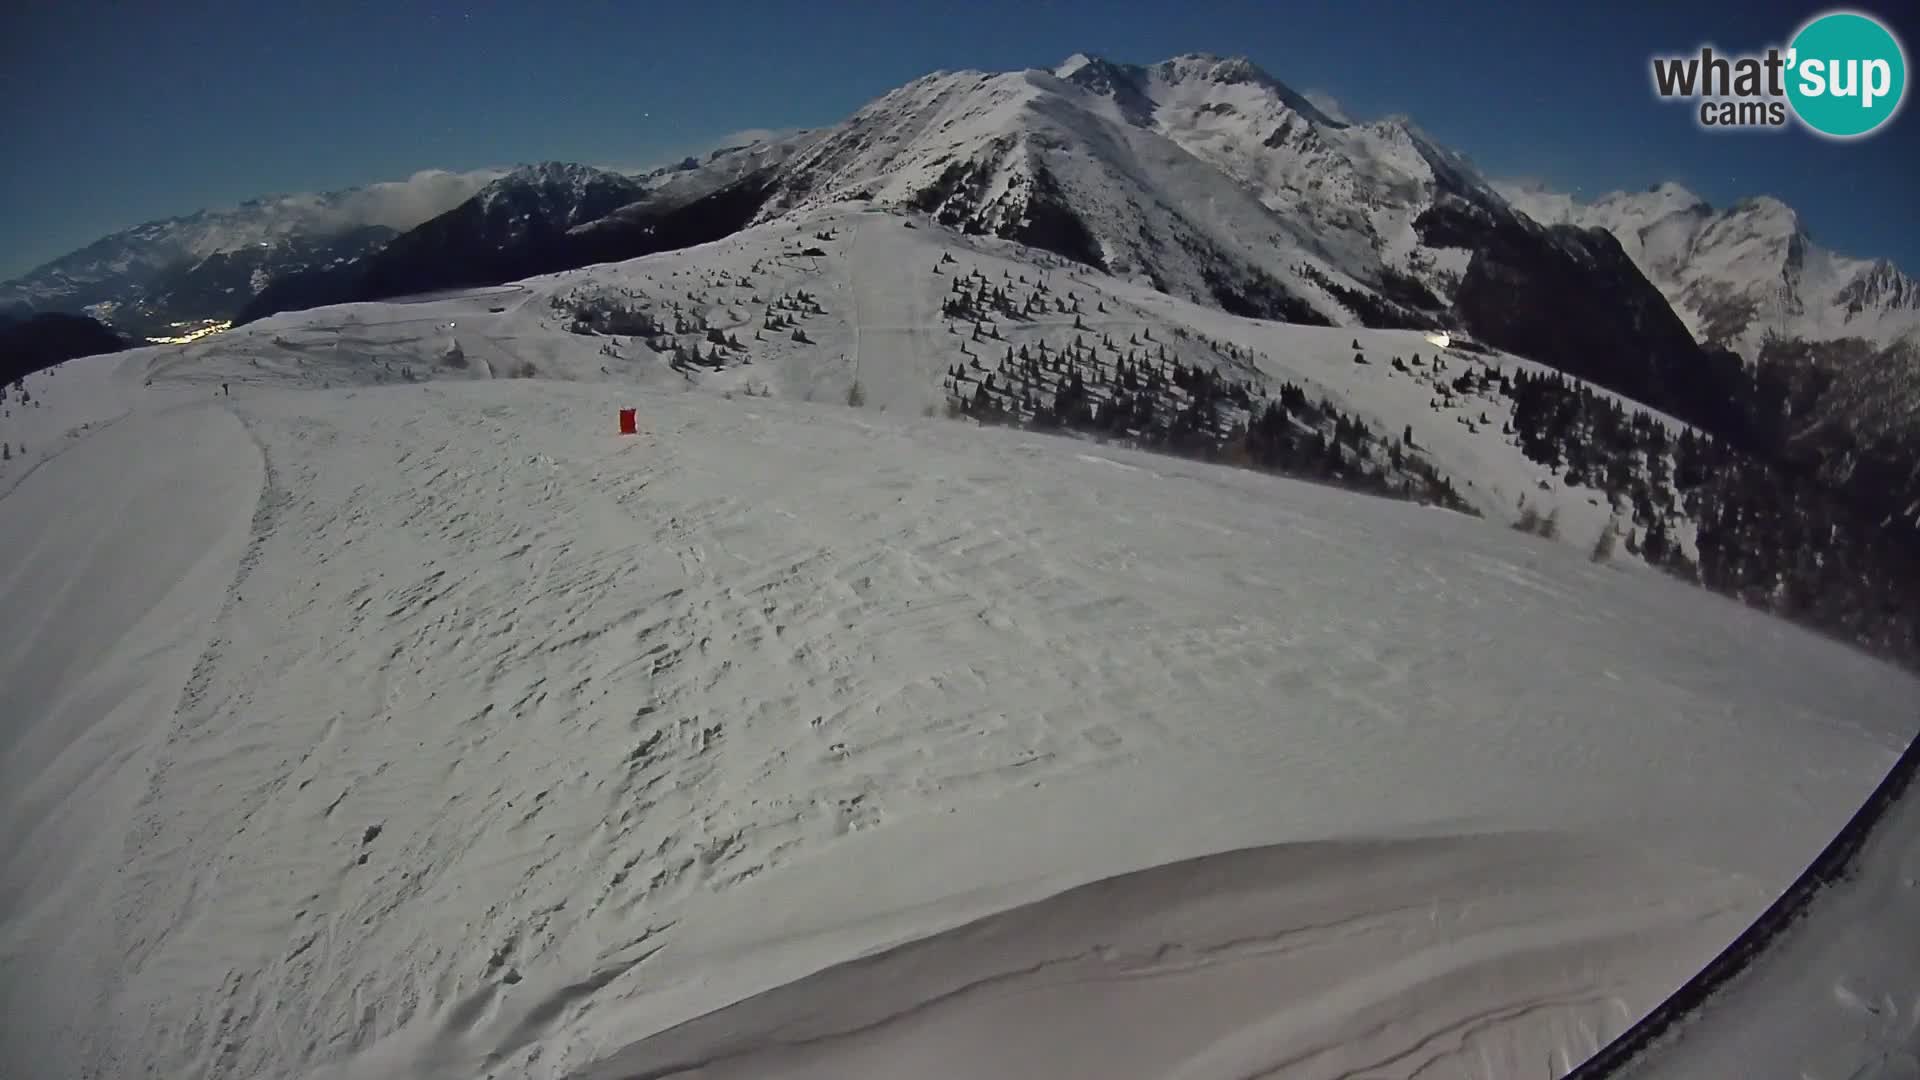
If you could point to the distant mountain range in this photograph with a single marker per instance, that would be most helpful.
(205, 266)
(1205, 176)
(1742, 274)
(539, 219)
(1209, 180)
(1201, 176)
(1835, 339)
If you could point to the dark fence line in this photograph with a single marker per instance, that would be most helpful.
(1834, 863)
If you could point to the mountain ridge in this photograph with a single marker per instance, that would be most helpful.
(277, 234)
(1746, 273)
(1344, 194)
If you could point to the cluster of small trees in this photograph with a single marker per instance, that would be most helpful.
(1155, 401)
(1296, 437)
(1772, 537)
(1399, 307)
(604, 314)
(10, 392)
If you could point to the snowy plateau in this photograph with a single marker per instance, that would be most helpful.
(371, 708)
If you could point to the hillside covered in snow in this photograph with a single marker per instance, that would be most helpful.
(635, 730)
(1003, 333)
(1119, 571)
(427, 726)
(1208, 181)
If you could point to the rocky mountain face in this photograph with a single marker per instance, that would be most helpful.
(1201, 176)
(1830, 345)
(1743, 274)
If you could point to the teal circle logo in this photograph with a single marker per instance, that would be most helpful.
(1846, 74)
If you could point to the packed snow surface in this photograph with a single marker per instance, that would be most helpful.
(356, 730)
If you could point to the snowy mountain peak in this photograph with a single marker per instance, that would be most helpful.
(1103, 75)
(1739, 275)
(1238, 71)
(553, 173)
(1880, 285)
(559, 192)
(1199, 175)
(1676, 195)
(1066, 68)
(1207, 67)
(1223, 86)
(1765, 211)
(1657, 202)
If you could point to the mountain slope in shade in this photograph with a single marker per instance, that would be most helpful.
(145, 278)
(528, 205)
(1741, 274)
(41, 341)
(538, 219)
(1832, 386)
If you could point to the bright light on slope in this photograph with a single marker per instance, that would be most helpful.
(193, 335)
(1440, 339)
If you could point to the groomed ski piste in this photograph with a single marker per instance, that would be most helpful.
(364, 727)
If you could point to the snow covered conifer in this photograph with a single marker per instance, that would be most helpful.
(1603, 545)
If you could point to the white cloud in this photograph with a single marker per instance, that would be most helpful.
(1326, 103)
(402, 204)
(396, 204)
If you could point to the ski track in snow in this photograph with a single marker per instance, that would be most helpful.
(435, 730)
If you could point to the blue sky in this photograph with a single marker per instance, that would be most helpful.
(116, 113)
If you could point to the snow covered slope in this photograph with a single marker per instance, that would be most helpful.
(1739, 274)
(437, 730)
(1205, 177)
(874, 316)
